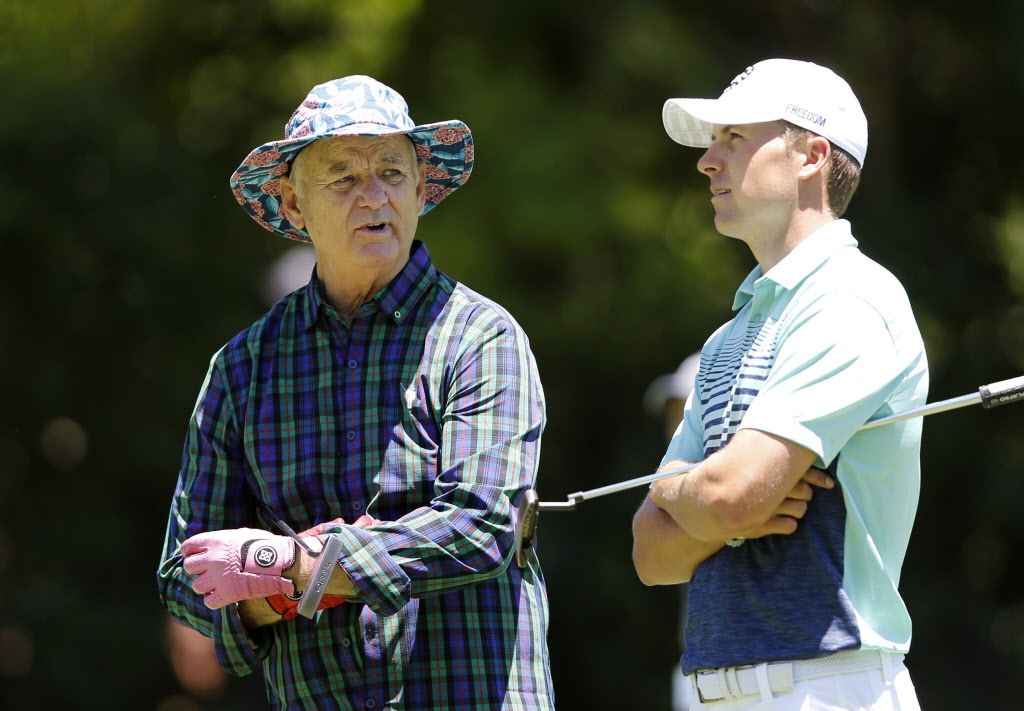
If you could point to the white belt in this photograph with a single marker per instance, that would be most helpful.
(736, 682)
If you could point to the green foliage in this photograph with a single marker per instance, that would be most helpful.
(127, 264)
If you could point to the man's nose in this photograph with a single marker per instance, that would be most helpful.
(372, 194)
(708, 163)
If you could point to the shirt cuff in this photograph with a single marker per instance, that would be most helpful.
(379, 581)
(239, 650)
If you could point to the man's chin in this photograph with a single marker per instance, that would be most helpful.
(726, 227)
(385, 248)
(381, 256)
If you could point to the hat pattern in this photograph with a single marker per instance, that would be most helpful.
(351, 106)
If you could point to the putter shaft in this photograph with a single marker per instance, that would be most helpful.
(1003, 392)
(285, 528)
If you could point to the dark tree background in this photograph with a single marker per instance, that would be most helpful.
(126, 264)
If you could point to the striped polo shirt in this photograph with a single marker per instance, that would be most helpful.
(820, 345)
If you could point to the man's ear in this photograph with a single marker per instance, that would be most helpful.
(290, 203)
(816, 152)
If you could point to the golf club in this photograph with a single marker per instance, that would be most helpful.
(1002, 393)
(326, 561)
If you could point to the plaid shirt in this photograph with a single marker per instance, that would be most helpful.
(425, 412)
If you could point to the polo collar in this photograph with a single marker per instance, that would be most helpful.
(395, 300)
(806, 258)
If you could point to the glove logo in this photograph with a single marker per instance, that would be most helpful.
(265, 556)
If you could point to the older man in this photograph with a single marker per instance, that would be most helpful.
(383, 393)
(823, 341)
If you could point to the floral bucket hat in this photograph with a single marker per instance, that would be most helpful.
(350, 106)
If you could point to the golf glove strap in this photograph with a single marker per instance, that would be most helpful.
(238, 564)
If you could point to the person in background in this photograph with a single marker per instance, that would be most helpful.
(194, 662)
(665, 398)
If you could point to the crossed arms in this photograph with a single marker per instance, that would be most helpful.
(757, 485)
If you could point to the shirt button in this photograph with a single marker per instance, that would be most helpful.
(351, 435)
(370, 703)
(356, 505)
(398, 314)
(353, 364)
(346, 642)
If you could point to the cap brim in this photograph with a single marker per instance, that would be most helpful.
(690, 121)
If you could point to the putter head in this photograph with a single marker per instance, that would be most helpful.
(526, 526)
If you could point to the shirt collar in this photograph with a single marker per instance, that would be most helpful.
(396, 299)
(399, 297)
(802, 261)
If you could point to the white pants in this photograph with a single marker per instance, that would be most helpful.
(682, 690)
(885, 689)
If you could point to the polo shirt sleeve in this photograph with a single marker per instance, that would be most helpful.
(835, 365)
(688, 441)
(208, 497)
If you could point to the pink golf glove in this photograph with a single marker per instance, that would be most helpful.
(238, 564)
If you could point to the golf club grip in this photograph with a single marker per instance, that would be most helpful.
(1002, 393)
(326, 562)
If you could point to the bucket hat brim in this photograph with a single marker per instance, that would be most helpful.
(351, 106)
(445, 147)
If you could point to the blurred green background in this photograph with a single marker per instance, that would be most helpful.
(126, 264)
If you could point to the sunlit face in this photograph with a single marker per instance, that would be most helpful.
(754, 179)
(360, 198)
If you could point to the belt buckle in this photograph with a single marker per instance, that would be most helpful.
(696, 684)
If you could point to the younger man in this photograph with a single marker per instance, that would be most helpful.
(823, 340)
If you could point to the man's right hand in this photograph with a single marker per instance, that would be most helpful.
(794, 506)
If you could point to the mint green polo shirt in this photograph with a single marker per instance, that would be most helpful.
(823, 343)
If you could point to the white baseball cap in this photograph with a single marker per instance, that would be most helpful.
(803, 93)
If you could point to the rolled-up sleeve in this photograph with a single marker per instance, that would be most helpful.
(209, 496)
(491, 418)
